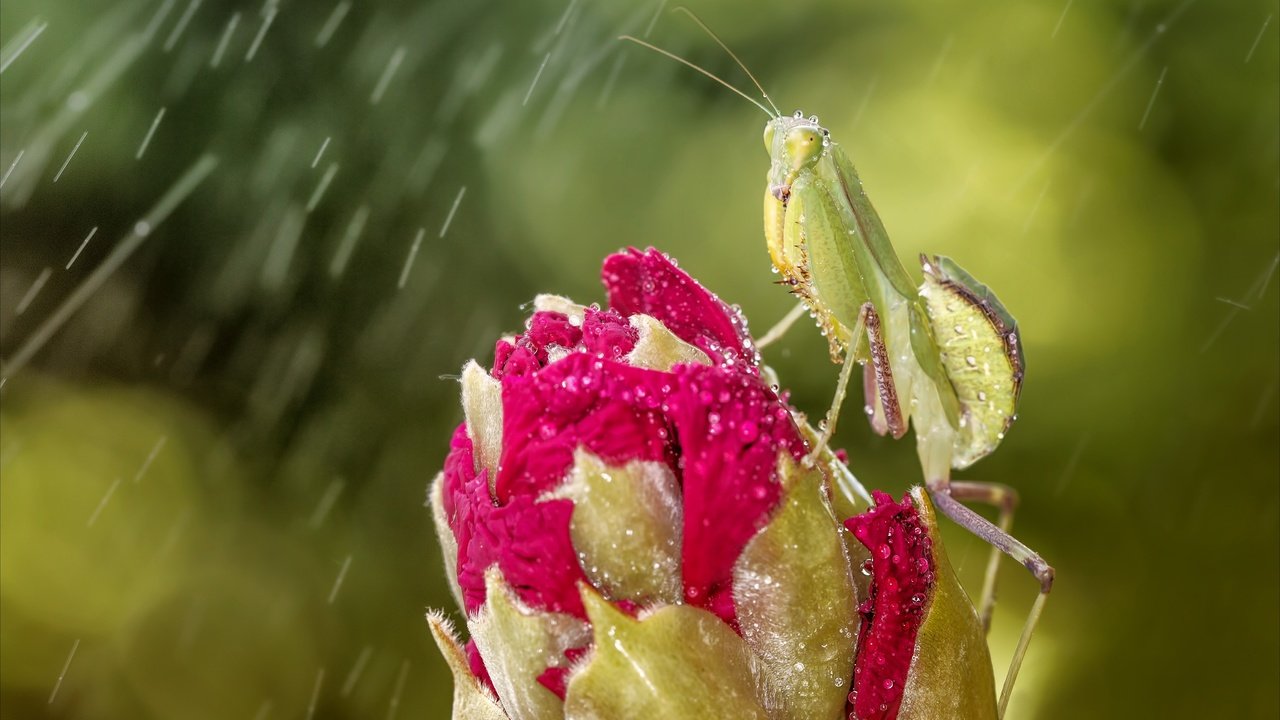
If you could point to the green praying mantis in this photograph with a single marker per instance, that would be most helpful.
(944, 356)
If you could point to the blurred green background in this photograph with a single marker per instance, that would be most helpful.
(212, 473)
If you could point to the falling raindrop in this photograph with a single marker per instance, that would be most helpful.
(65, 666)
(72, 154)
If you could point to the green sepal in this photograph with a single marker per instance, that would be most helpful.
(657, 348)
(546, 302)
(519, 643)
(950, 675)
(848, 498)
(471, 701)
(482, 408)
(448, 543)
(795, 600)
(626, 526)
(679, 663)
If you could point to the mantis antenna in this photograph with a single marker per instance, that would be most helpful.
(682, 61)
(725, 47)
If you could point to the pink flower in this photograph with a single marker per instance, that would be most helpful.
(631, 530)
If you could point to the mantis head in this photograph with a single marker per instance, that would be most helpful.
(794, 143)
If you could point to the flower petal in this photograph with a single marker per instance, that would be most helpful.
(730, 428)
(545, 331)
(650, 283)
(529, 540)
(951, 673)
(922, 652)
(551, 328)
(902, 582)
(610, 408)
(606, 334)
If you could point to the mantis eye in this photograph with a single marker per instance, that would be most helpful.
(768, 137)
(804, 144)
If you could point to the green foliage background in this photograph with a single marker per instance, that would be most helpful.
(1111, 168)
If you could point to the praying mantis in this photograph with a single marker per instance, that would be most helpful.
(945, 357)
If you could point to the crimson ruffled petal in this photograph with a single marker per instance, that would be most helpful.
(650, 283)
(612, 409)
(512, 359)
(548, 328)
(902, 580)
(554, 678)
(529, 351)
(608, 334)
(529, 541)
(731, 429)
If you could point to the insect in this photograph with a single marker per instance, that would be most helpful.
(944, 357)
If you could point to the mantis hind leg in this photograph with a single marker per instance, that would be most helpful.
(1005, 499)
(941, 493)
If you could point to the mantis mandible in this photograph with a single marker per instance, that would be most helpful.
(945, 356)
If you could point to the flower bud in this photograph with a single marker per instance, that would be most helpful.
(626, 476)
(633, 529)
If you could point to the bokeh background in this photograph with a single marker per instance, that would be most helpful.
(221, 412)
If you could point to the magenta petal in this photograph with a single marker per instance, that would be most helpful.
(555, 678)
(551, 328)
(718, 427)
(650, 283)
(608, 334)
(511, 359)
(529, 542)
(731, 429)
(901, 585)
(529, 350)
(612, 409)
(535, 553)
(459, 469)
